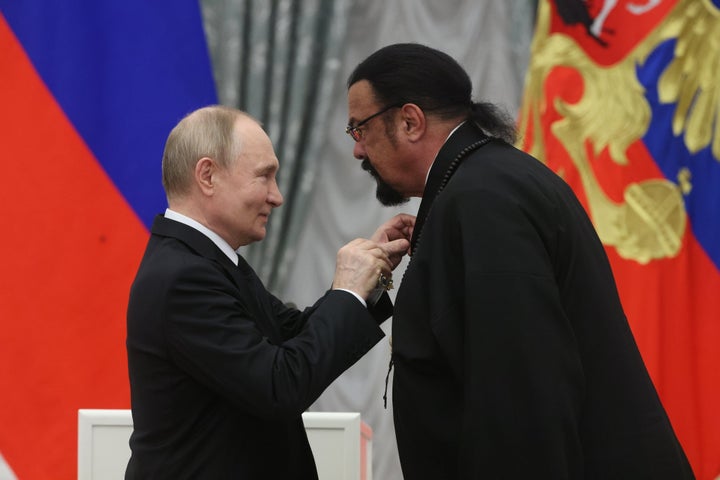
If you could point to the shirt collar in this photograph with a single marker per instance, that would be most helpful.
(216, 239)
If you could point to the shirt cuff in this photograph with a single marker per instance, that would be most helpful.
(362, 300)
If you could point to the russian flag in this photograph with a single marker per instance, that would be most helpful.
(89, 91)
(622, 100)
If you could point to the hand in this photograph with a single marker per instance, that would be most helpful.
(399, 226)
(360, 263)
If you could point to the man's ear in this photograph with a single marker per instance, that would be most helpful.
(414, 121)
(205, 172)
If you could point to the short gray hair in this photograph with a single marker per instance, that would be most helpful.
(206, 132)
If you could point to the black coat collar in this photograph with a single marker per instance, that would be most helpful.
(466, 138)
(198, 242)
(194, 239)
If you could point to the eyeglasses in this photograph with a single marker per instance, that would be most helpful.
(356, 133)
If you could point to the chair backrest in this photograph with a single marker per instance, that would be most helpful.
(341, 444)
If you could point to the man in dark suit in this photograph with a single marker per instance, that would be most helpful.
(220, 369)
(513, 357)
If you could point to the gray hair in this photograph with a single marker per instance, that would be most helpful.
(206, 132)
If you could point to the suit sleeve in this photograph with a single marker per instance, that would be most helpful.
(291, 320)
(519, 365)
(214, 337)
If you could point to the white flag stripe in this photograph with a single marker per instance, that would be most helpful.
(6, 472)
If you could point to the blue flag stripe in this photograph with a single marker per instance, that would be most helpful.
(702, 202)
(124, 72)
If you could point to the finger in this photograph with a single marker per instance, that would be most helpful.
(395, 247)
(404, 219)
(397, 227)
(403, 222)
(380, 235)
(360, 243)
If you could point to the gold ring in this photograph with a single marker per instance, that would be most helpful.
(384, 282)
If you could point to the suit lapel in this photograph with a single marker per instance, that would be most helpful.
(252, 293)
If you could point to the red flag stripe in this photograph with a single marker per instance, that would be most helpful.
(64, 348)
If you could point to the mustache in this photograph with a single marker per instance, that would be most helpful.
(367, 166)
(386, 194)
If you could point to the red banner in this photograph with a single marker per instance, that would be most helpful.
(622, 101)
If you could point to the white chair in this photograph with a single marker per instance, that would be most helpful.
(341, 444)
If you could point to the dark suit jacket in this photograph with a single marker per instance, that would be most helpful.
(221, 370)
(513, 357)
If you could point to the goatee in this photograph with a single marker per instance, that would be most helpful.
(385, 194)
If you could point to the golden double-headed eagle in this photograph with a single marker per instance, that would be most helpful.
(613, 113)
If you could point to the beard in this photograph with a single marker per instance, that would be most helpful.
(385, 194)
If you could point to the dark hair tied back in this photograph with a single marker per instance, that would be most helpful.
(494, 121)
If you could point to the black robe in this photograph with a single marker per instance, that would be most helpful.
(513, 357)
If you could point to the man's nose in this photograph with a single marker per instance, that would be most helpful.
(275, 197)
(359, 151)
